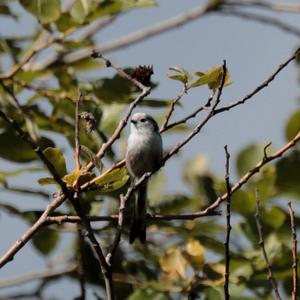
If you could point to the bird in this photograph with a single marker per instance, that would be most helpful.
(144, 154)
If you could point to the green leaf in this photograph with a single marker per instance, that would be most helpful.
(113, 180)
(55, 156)
(243, 202)
(65, 22)
(81, 9)
(288, 174)
(116, 89)
(16, 150)
(292, 126)
(146, 294)
(5, 10)
(47, 181)
(128, 4)
(91, 156)
(273, 217)
(46, 11)
(182, 74)
(85, 11)
(45, 240)
(213, 78)
(248, 158)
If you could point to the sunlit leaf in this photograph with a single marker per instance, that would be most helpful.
(128, 4)
(179, 74)
(45, 10)
(173, 263)
(77, 178)
(213, 78)
(113, 180)
(81, 9)
(195, 254)
(56, 158)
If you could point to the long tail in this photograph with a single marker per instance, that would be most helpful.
(138, 227)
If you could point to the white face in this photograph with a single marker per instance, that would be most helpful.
(142, 121)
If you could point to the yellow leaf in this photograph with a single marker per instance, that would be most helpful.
(77, 178)
(173, 263)
(195, 254)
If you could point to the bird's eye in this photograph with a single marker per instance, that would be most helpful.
(143, 120)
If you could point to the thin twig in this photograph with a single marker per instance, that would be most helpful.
(198, 128)
(111, 253)
(120, 71)
(48, 274)
(145, 91)
(228, 227)
(106, 270)
(172, 107)
(9, 255)
(77, 133)
(262, 85)
(21, 242)
(130, 39)
(280, 7)
(209, 211)
(80, 269)
(28, 57)
(261, 242)
(294, 251)
(262, 19)
(26, 138)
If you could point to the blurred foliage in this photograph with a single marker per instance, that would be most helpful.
(182, 258)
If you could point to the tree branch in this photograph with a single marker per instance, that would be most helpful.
(280, 7)
(262, 19)
(48, 274)
(294, 252)
(129, 39)
(228, 227)
(265, 255)
(262, 85)
(21, 242)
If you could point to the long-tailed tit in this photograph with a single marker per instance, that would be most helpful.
(144, 154)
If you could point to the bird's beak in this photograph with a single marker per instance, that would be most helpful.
(133, 121)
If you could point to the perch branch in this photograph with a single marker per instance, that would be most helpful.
(145, 91)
